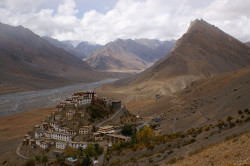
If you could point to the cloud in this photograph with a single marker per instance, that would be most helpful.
(156, 19)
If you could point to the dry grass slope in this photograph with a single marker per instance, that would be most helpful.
(234, 152)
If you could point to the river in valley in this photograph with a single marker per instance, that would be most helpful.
(22, 101)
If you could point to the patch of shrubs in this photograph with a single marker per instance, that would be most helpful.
(231, 125)
(150, 160)
(247, 119)
(240, 112)
(172, 161)
(170, 152)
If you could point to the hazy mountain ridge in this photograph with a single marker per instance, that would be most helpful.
(71, 43)
(66, 47)
(124, 55)
(27, 61)
(87, 48)
(248, 43)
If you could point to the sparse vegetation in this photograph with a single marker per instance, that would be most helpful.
(93, 151)
(30, 162)
(70, 152)
(150, 160)
(38, 158)
(172, 161)
(229, 118)
(45, 159)
(170, 152)
(86, 161)
(145, 138)
(99, 110)
(240, 112)
(128, 130)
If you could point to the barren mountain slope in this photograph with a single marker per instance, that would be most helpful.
(202, 52)
(29, 62)
(208, 111)
(204, 101)
(235, 151)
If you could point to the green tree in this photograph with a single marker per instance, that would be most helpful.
(90, 151)
(38, 158)
(127, 130)
(68, 152)
(240, 112)
(45, 159)
(98, 149)
(79, 151)
(229, 118)
(86, 161)
(30, 162)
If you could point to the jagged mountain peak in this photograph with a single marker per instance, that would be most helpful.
(202, 52)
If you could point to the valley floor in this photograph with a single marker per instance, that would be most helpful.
(13, 127)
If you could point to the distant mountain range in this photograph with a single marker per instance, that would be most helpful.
(79, 49)
(87, 48)
(28, 61)
(67, 47)
(71, 43)
(118, 56)
(128, 55)
(248, 43)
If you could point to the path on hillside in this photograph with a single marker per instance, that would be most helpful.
(17, 152)
(102, 156)
(113, 118)
(173, 125)
(188, 150)
(202, 113)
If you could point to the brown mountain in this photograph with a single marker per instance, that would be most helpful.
(202, 52)
(128, 55)
(29, 62)
(207, 79)
(202, 112)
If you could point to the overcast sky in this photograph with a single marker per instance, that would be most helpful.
(102, 21)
